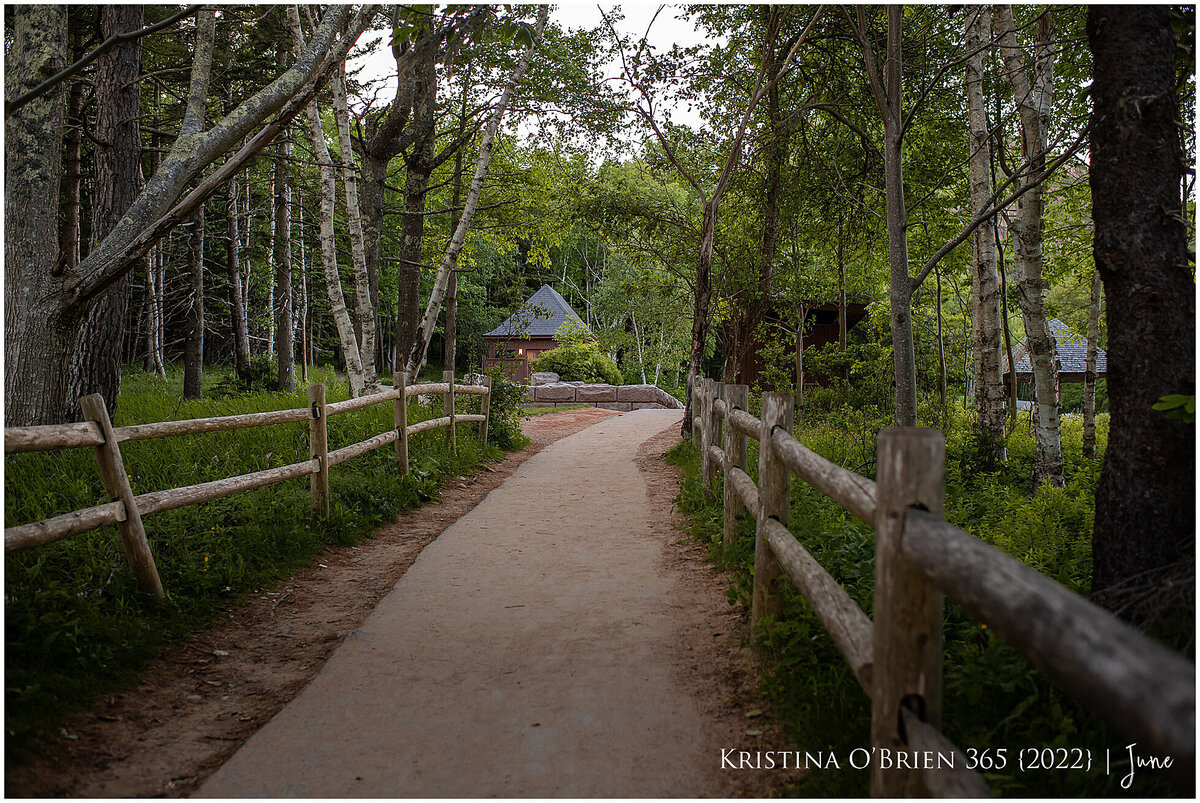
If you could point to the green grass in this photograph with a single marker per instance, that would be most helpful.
(528, 411)
(992, 696)
(75, 624)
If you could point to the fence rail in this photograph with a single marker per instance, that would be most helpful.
(1141, 689)
(126, 510)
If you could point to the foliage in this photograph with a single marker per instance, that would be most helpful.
(580, 363)
(262, 377)
(504, 411)
(1178, 407)
(75, 624)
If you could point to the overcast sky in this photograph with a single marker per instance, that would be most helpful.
(668, 30)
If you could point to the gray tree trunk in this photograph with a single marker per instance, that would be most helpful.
(1033, 91)
(1089, 376)
(237, 299)
(34, 331)
(193, 355)
(96, 366)
(284, 312)
(985, 283)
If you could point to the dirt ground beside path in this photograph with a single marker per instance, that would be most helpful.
(203, 698)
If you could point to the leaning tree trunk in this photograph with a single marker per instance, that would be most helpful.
(193, 354)
(33, 334)
(701, 301)
(416, 358)
(1145, 500)
(1089, 376)
(96, 366)
(1034, 94)
(985, 284)
(362, 289)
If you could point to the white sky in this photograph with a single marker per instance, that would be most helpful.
(667, 31)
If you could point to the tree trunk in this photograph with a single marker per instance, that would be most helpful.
(985, 284)
(237, 301)
(843, 324)
(941, 346)
(284, 312)
(96, 366)
(362, 290)
(700, 309)
(450, 325)
(193, 356)
(1089, 376)
(37, 342)
(73, 162)
(1145, 500)
(1033, 91)
(416, 358)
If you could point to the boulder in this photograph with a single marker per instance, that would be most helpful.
(668, 401)
(619, 406)
(595, 393)
(645, 406)
(555, 392)
(637, 393)
(543, 378)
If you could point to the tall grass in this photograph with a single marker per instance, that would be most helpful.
(76, 625)
(992, 696)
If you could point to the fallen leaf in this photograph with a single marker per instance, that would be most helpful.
(755, 713)
(220, 652)
(753, 732)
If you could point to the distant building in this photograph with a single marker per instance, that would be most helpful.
(528, 332)
(821, 329)
(1070, 361)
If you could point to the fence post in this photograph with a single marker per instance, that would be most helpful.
(713, 425)
(774, 494)
(318, 449)
(400, 415)
(908, 609)
(116, 482)
(448, 407)
(485, 407)
(737, 397)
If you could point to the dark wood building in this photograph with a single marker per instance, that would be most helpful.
(528, 332)
(822, 329)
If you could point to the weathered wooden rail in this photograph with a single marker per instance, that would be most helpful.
(1143, 690)
(126, 510)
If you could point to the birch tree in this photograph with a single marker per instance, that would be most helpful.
(424, 333)
(985, 283)
(1033, 93)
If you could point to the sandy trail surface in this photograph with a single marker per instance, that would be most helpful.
(525, 653)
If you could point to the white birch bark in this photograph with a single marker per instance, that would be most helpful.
(362, 285)
(425, 332)
(985, 283)
(333, 282)
(1033, 93)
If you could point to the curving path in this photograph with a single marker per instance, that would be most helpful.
(522, 655)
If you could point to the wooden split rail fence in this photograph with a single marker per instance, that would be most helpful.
(126, 510)
(1144, 691)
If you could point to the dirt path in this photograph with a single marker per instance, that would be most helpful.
(522, 655)
(204, 698)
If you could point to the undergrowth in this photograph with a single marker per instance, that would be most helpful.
(75, 624)
(993, 697)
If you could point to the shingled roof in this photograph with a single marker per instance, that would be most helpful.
(1070, 349)
(524, 324)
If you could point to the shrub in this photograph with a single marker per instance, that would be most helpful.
(504, 423)
(583, 362)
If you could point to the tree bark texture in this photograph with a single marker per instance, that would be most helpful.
(32, 164)
(1033, 92)
(1145, 500)
(1089, 376)
(284, 312)
(366, 324)
(53, 321)
(73, 160)
(193, 355)
(96, 365)
(985, 283)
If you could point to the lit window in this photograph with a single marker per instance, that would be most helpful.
(520, 351)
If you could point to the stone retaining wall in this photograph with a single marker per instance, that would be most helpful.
(607, 397)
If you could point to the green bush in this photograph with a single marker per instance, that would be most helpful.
(504, 423)
(583, 362)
